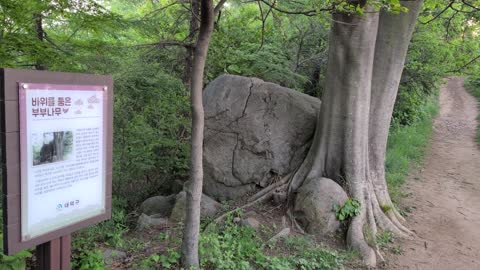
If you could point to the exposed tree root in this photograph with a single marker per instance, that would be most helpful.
(260, 197)
(269, 189)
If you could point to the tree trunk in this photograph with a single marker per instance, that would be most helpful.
(58, 142)
(365, 62)
(194, 190)
(38, 27)
(393, 37)
(193, 28)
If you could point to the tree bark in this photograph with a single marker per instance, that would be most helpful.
(194, 189)
(366, 57)
(58, 141)
(193, 28)
(38, 27)
(393, 37)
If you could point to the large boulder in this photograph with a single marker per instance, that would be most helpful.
(314, 206)
(255, 132)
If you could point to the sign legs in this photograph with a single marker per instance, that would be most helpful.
(54, 255)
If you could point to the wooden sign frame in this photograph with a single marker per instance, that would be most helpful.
(10, 80)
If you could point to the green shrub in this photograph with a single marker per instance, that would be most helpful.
(406, 145)
(472, 84)
(14, 262)
(151, 130)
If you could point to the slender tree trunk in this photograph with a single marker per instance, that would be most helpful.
(365, 62)
(194, 190)
(193, 28)
(39, 65)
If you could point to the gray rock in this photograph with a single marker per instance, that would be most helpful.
(251, 222)
(158, 205)
(208, 207)
(111, 255)
(282, 234)
(255, 131)
(314, 206)
(153, 221)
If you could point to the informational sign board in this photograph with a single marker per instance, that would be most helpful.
(62, 155)
(60, 181)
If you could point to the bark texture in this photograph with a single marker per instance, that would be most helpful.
(194, 190)
(38, 27)
(366, 58)
(193, 28)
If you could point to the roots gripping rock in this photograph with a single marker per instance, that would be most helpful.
(366, 59)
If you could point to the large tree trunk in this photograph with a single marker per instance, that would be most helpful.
(366, 58)
(58, 142)
(194, 190)
(393, 38)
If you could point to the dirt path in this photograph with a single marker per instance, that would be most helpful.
(446, 192)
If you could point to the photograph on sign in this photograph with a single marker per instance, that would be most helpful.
(63, 155)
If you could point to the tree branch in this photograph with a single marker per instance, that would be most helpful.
(470, 5)
(219, 7)
(464, 66)
(309, 13)
(440, 13)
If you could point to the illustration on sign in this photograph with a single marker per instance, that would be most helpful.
(63, 155)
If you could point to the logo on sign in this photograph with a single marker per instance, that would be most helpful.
(69, 204)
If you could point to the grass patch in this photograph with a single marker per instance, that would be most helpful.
(473, 87)
(406, 146)
(231, 246)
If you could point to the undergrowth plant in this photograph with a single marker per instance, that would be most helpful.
(406, 146)
(348, 210)
(85, 254)
(13, 262)
(230, 246)
(472, 84)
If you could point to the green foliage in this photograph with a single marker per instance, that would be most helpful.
(109, 232)
(85, 254)
(348, 210)
(406, 146)
(151, 130)
(14, 262)
(386, 208)
(87, 258)
(164, 261)
(472, 84)
(384, 239)
(230, 246)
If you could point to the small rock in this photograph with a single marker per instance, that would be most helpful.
(153, 221)
(282, 234)
(158, 205)
(314, 206)
(111, 255)
(208, 207)
(251, 222)
(279, 197)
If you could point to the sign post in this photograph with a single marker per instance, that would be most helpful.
(56, 136)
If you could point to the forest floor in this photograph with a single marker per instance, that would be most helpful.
(445, 193)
